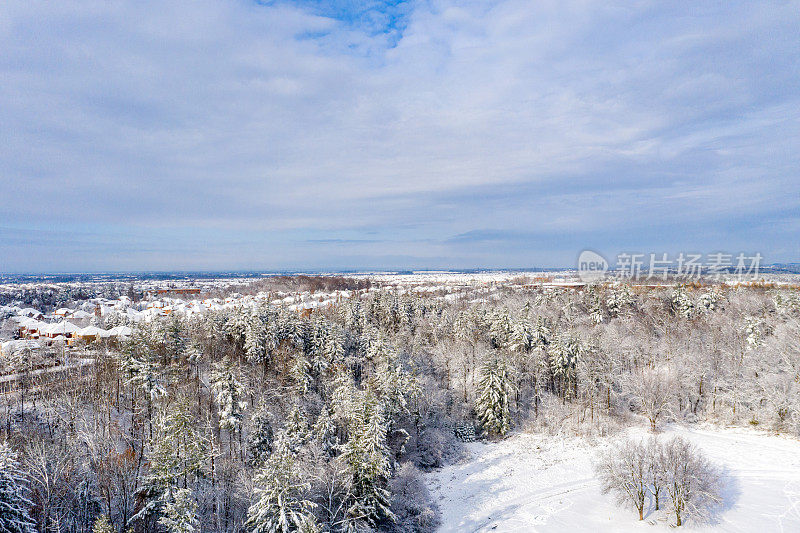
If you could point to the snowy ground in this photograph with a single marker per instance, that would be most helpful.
(538, 483)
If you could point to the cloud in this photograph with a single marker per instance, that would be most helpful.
(317, 133)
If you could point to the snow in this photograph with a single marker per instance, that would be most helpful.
(91, 331)
(542, 483)
(61, 328)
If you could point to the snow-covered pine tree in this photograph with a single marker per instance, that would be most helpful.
(500, 328)
(619, 298)
(103, 525)
(175, 338)
(177, 451)
(228, 392)
(563, 353)
(542, 332)
(301, 373)
(14, 503)
(324, 432)
(396, 387)
(180, 514)
(682, 304)
(492, 403)
(279, 504)
(175, 457)
(260, 437)
(522, 336)
(296, 430)
(367, 457)
(754, 332)
(333, 347)
(147, 376)
(236, 327)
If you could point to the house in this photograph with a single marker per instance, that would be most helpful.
(91, 333)
(31, 313)
(120, 331)
(29, 327)
(67, 329)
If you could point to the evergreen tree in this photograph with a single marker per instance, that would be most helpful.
(367, 457)
(493, 401)
(280, 505)
(228, 392)
(257, 339)
(563, 353)
(177, 451)
(522, 336)
(175, 457)
(14, 503)
(103, 525)
(296, 430)
(682, 304)
(180, 514)
(175, 338)
(260, 437)
(500, 328)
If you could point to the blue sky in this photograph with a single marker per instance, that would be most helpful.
(421, 134)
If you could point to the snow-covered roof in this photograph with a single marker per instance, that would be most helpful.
(61, 328)
(120, 331)
(90, 331)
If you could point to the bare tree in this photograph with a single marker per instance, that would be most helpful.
(655, 470)
(692, 482)
(623, 470)
(49, 468)
(651, 391)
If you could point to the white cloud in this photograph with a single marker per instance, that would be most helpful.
(234, 115)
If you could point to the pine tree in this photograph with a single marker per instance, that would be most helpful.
(228, 393)
(333, 346)
(563, 353)
(14, 504)
(296, 430)
(177, 451)
(542, 332)
(236, 327)
(522, 336)
(256, 343)
(395, 386)
(175, 457)
(301, 373)
(280, 505)
(103, 525)
(180, 514)
(500, 329)
(260, 437)
(682, 304)
(368, 460)
(493, 401)
(175, 338)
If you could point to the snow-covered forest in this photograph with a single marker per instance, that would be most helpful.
(263, 418)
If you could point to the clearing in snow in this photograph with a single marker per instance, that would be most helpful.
(532, 482)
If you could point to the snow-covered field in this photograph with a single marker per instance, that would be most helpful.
(539, 483)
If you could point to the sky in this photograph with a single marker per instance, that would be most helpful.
(313, 135)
